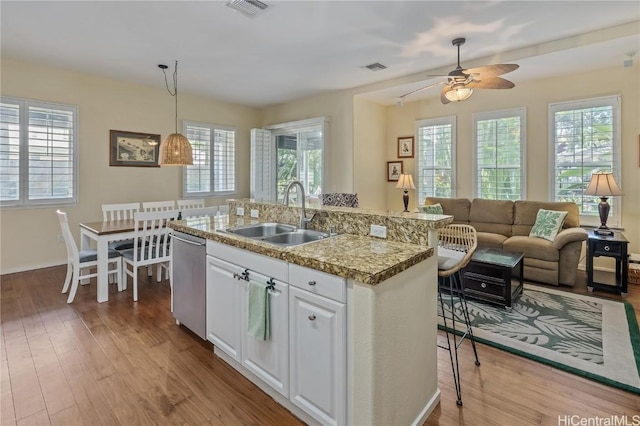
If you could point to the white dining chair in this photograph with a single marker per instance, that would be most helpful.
(192, 203)
(86, 260)
(114, 212)
(158, 206)
(152, 227)
(200, 211)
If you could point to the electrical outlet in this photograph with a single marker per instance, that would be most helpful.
(240, 211)
(60, 239)
(378, 231)
(255, 213)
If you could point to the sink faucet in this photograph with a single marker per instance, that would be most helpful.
(303, 214)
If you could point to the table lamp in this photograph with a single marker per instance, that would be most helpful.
(603, 185)
(405, 182)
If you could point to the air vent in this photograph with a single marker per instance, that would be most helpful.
(376, 67)
(248, 7)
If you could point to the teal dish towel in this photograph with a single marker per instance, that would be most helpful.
(259, 327)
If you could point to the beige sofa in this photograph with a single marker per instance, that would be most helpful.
(506, 224)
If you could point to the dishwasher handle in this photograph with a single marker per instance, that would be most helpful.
(188, 242)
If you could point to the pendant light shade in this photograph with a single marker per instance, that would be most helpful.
(175, 150)
(460, 93)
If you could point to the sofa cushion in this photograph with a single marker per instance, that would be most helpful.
(433, 209)
(492, 216)
(456, 207)
(525, 213)
(548, 224)
(537, 248)
(490, 240)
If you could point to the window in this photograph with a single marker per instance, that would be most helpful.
(584, 138)
(38, 153)
(499, 155)
(435, 158)
(214, 160)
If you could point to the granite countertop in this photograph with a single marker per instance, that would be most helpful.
(368, 260)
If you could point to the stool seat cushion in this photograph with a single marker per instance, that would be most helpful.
(448, 259)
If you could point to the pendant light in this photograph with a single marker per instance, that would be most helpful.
(175, 150)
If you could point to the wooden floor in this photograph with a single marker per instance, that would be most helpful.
(128, 363)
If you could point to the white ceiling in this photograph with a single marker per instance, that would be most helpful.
(301, 48)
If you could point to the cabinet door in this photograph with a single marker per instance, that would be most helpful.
(269, 359)
(317, 337)
(223, 306)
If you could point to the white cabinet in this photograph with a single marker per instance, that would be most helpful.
(317, 350)
(227, 322)
(224, 292)
(269, 359)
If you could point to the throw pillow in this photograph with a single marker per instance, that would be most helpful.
(548, 224)
(433, 209)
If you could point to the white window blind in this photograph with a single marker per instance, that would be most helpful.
(214, 160)
(584, 138)
(38, 153)
(499, 154)
(435, 158)
(262, 165)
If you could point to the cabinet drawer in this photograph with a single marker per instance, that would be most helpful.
(606, 248)
(317, 282)
(475, 283)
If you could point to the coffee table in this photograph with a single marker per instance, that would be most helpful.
(494, 276)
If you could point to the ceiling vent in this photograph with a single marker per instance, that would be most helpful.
(248, 7)
(376, 67)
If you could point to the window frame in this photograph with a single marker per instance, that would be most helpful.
(615, 101)
(212, 193)
(429, 122)
(520, 112)
(23, 198)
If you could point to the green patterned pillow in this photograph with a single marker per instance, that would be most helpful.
(433, 209)
(548, 224)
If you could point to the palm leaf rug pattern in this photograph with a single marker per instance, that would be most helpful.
(581, 334)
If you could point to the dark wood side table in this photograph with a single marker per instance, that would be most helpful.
(495, 276)
(614, 246)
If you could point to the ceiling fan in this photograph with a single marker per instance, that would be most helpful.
(461, 82)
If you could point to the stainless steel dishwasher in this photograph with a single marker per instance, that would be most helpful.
(189, 282)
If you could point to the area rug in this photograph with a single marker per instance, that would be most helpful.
(588, 336)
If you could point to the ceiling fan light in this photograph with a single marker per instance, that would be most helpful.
(460, 94)
(176, 151)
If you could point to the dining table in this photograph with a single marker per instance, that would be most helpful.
(103, 233)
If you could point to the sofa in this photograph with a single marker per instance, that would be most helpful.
(506, 225)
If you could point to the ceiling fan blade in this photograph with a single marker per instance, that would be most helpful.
(492, 70)
(490, 83)
(443, 98)
(421, 89)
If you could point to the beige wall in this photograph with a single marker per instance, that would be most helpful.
(535, 97)
(29, 236)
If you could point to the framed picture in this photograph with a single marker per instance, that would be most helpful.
(394, 170)
(405, 147)
(133, 149)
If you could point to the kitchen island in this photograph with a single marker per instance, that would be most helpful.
(357, 343)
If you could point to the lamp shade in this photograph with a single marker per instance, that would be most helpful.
(405, 182)
(176, 151)
(603, 184)
(459, 94)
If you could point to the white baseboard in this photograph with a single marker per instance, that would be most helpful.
(428, 409)
(29, 268)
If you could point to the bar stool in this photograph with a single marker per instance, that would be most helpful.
(456, 245)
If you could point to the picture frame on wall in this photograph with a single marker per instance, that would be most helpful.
(405, 147)
(133, 149)
(394, 170)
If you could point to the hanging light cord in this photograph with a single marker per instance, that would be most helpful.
(175, 88)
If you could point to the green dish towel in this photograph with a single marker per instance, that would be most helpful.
(259, 327)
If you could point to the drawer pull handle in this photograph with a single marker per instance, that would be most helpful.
(312, 283)
(607, 248)
(312, 317)
(483, 285)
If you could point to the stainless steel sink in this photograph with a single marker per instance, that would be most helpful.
(297, 237)
(279, 234)
(261, 230)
